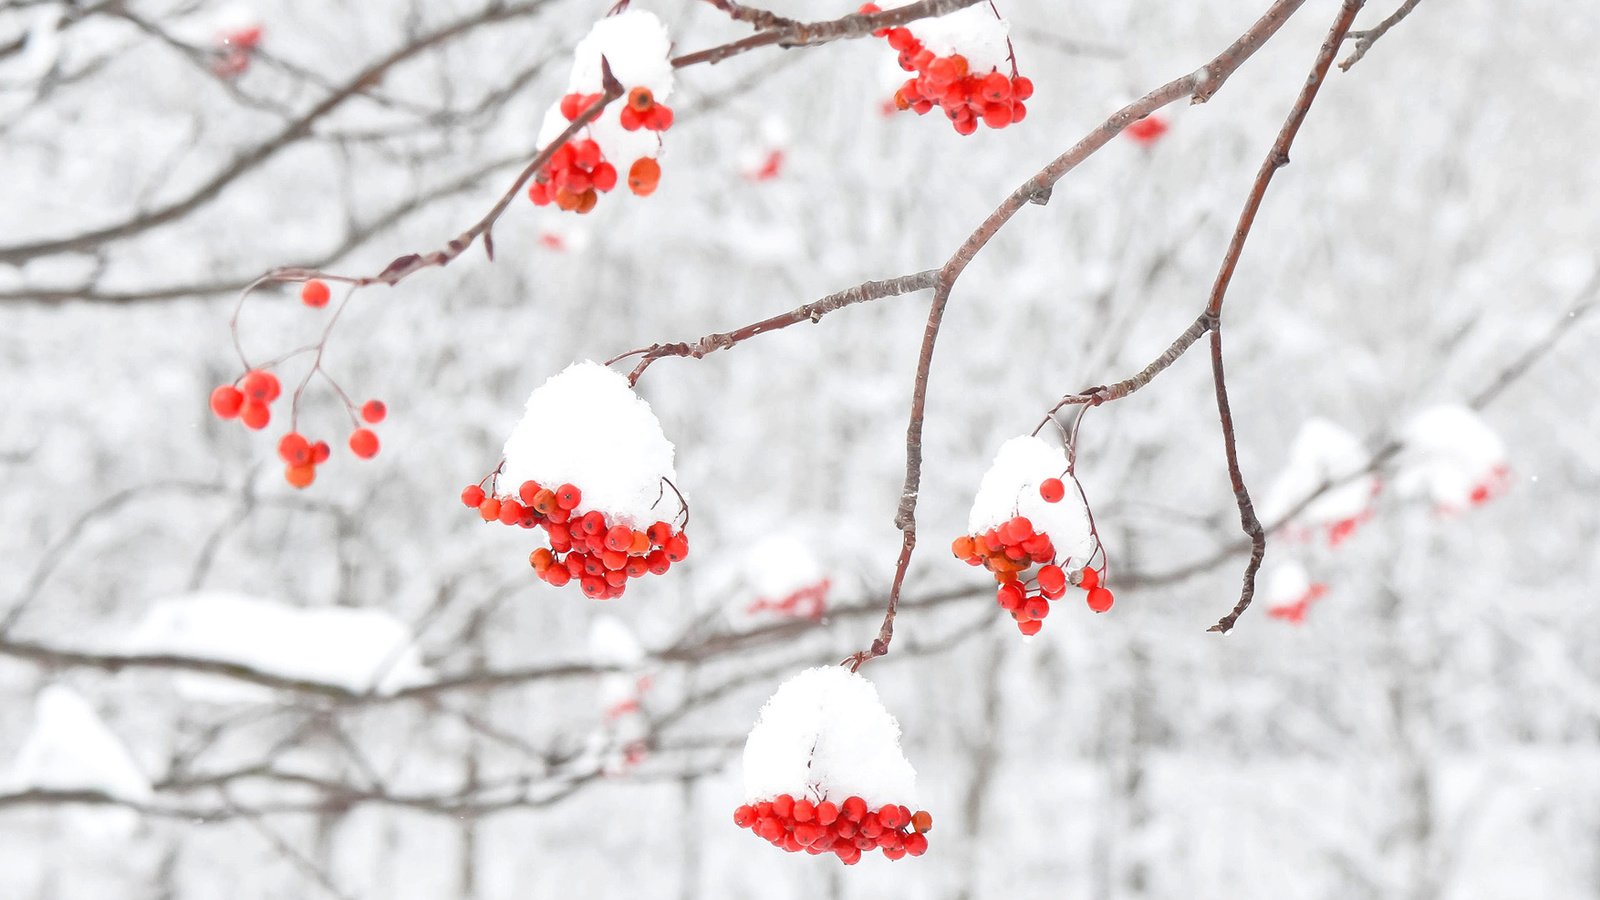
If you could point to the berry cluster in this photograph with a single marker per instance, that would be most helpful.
(249, 400)
(588, 548)
(967, 97)
(809, 602)
(1146, 131)
(1295, 612)
(578, 172)
(233, 52)
(1010, 549)
(846, 829)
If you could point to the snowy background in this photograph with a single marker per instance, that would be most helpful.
(361, 691)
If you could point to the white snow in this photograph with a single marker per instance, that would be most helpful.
(72, 749)
(638, 48)
(587, 428)
(974, 32)
(825, 734)
(1449, 453)
(356, 649)
(780, 564)
(1287, 584)
(1011, 488)
(612, 643)
(1322, 453)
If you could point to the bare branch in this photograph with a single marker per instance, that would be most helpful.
(1365, 39)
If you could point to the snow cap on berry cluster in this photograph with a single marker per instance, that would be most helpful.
(781, 564)
(587, 428)
(1011, 488)
(1322, 453)
(825, 734)
(1452, 456)
(975, 32)
(638, 49)
(1287, 584)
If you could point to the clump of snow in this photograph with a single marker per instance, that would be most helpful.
(1322, 454)
(612, 643)
(1290, 592)
(72, 749)
(1453, 457)
(825, 734)
(587, 428)
(639, 50)
(975, 32)
(1011, 488)
(356, 649)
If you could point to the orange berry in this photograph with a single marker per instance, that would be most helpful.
(315, 293)
(640, 99)
(962, 547)
(643, 176)
(301, 476)
(489, 509)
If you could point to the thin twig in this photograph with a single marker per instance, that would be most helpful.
(1365, 39)
(1276, 159)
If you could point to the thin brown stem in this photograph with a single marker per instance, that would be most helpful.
(1365, 39)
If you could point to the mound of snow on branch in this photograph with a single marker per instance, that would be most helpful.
(587, 428)
(1453, 457)
(1011, 488)
(72, 749)
(825, 734)
(359, 650)
(638, 48)
(1322, 454)
(974, 32)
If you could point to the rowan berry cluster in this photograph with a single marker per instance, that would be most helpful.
(589, 548)
(845, 829)
(966, 96)
(578, 172)
(1012, 548)
(249, 400)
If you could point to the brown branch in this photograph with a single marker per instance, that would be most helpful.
(760, 18)
(1198, 86)
(261, 153)
(1276, 159)
(1365, 39)
(810, 312)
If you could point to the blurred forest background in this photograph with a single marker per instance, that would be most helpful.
(1431, 729)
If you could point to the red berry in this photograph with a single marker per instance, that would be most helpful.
(744, 816)
(567, 496)
(604, 177)
(1011, 596)
(557, 576)
(658, 534)
(1021, 88)
(489, 509)
(1030, 627)
(827, 812)
(1100, 599)
(472, 496)
(658, 562)
(315, 293)
(1052, 581)
(364, 443)
(1052, 490)
(510, 512)
(677, 547)
(619, 538)
(254, 414)
(544, 502)
(541, 560)
(804, 810)
(592, 523)
(373, 412)
(225, 401)
(301, 476)
(783, 806)
(569, 106)
(890, 817)
(260, 386)
(1089, 579)
(854, 809)
(916, 843)
(320, 453)
(1037, 608)
(295, 449)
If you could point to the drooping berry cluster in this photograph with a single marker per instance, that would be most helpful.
(966, 96)
(809, 602)
(250, 400)
(588, 548)
(846, 829)
(1012, 548)
(578, 172)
